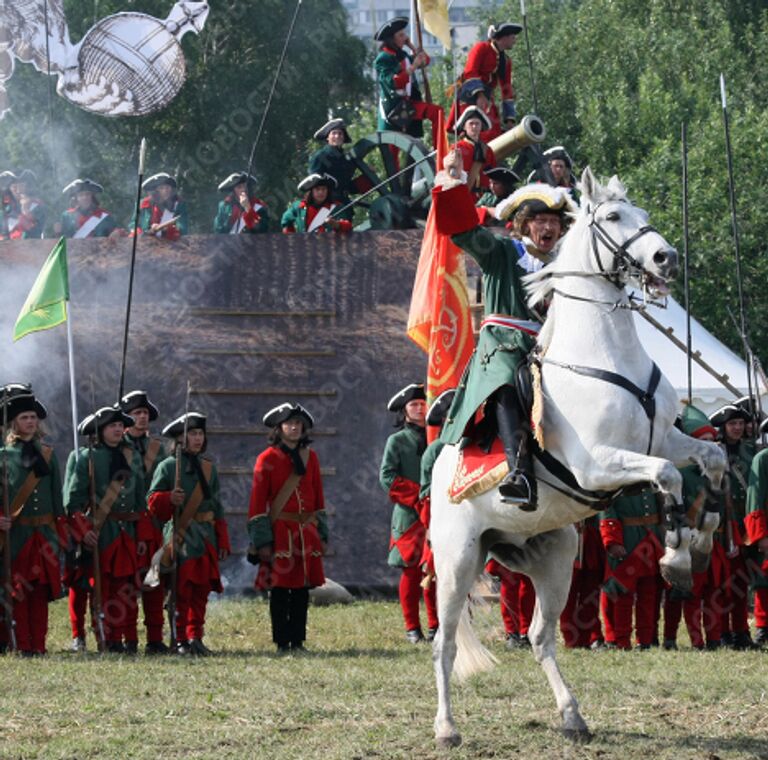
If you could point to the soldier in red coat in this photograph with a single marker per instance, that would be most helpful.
(287, 523)
(487, 64)
(476, 156)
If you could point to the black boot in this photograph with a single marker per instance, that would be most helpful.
(519, 485)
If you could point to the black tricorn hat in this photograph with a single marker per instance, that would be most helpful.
(503, 30)
(411, 392)
(727, 413)
(82, 186)
(558, 152)
(502, 174)
(7, 178)
(138, 400)
(14, 389)
(23, 402)
(194, 420)
(285, 412)
(103, 417)
(317, 180)
(27, 175)
(322, 134)
(158, 179)
(390, 28)
(438, 411)
(236, 178)
(473, 112)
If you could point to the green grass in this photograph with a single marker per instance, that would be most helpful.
(362, 692)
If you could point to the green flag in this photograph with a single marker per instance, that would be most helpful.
(46, 306)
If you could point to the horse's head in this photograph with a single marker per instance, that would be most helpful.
(623, 245)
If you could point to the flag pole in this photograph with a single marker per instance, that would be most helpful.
(72, 386)
(142, 156)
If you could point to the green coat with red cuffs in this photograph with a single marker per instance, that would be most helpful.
(756, 520)
(499, 350)
(400, 476)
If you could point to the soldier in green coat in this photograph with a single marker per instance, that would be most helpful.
(502, 184)
(105, 499)
(507, 334)
(240, 211)
(400, 475)
(31, 533)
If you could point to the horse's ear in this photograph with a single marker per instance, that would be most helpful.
(589, 185)
(616, 188)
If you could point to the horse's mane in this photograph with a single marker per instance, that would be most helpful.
(539, 285)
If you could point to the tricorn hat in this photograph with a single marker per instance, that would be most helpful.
(411, 392)
(322, 134)
(103, 417)
(438, 410)
(138, 400)
(7, 178)
(503, 30)
(194, 421)
(82, 186)
(390, 28)
(750, 406)
(317, 180)
(285, 412)
(538, 198)
(14, 389)
(473, 112)
(27, 175)
(727, 413)
(502, 174)
(695, 423)
(158, 179)
(235, 179)
(558, 152)
(23, 402)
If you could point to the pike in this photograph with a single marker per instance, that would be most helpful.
(420, 48)
(142, 157)
(686, 265)
(7, 574)
(530, 57)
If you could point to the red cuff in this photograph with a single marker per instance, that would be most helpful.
(404, 491)
(424, 508)
(222, 535)
(288, 230)
(160, 505)
(612, 532)
(485, 215)
(344, 226)
(172, 232)
(455, 210)
(251, 218)
(756, 525)
(79, 526)
(401, 80)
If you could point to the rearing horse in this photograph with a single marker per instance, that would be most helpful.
(607, 423)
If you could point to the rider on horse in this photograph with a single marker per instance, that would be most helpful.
(507, 333)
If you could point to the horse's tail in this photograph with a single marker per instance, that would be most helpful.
(471, 656)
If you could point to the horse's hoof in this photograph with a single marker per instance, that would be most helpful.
(699, 560)
(448, 742)
(578, 735)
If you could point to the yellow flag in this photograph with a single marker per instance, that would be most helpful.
(434, 14)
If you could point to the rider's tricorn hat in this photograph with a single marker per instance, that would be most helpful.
(25, 402)
(317, 180)
(727, 413)
(158, 179)
(322, 134)
(285, 412)
(558, 152)
(438, 410)
(390, 28)
(235, 179)
(138, 400)
(473, 112)
(503, 30)
(538, 198)
(412, 392)
(103, 417)
(695, 423)
(82, 186)
(193, 420)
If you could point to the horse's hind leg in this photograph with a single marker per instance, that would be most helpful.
(456, 572)
(548, 562)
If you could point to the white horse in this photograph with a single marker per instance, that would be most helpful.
(607, 435)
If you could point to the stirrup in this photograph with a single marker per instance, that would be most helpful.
(516, 489)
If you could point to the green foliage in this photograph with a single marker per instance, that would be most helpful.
(209, 129)
(615, 81)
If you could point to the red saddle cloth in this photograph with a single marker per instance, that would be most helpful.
(477, 471)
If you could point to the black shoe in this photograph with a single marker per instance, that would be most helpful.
(727, 640)
(115, 647)
(182, 648)
(414, 636)
(131, 647)
(525, 642)
(431, 633)
(516, 489)
(712, 646)
(283, 648)
(298, 646)
(670, 645)
(26, 653)
(743, 641)
(3, 648)
(644, 647)
(156, 647)
(198, 649)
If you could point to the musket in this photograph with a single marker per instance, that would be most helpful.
(96, 602)
(420, 49)
(7, 573)
(530, 58)
(686, 267)
(174, 524)
(750, 360)
(729, 513)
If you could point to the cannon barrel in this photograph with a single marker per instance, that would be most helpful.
(529, 131)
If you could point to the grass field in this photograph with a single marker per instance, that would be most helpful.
(362, 692)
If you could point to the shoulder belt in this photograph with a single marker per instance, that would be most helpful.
(279, 502)
(29, 485)
(153, 449)
(104, 507)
